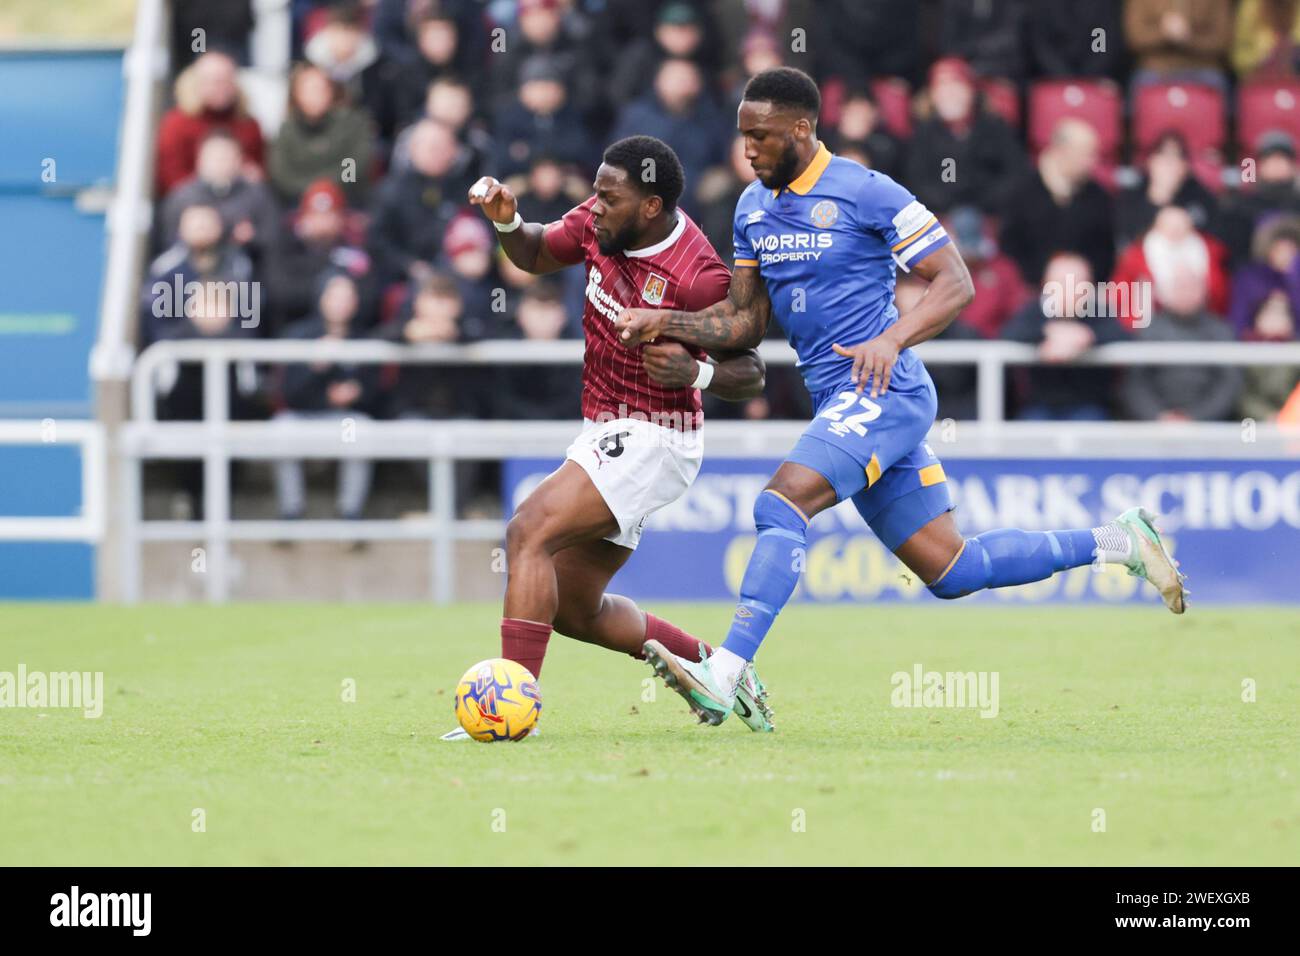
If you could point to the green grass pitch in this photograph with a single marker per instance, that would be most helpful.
(238, 711)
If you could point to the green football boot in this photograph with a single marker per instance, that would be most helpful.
(751, 702)
(1151, 560)
(693, 681)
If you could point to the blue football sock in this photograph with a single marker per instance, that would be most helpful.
(999, 559)
(772, 573)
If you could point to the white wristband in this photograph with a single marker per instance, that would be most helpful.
(510, 226)
(705, 377)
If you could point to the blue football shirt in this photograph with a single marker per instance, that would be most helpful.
(827, 247)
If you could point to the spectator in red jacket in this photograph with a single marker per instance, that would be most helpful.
(207, 98)
(1173, 247)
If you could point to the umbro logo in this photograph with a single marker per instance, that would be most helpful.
(742, 611)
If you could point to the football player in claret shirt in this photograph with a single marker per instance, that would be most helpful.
(640, 447)
(818, 239)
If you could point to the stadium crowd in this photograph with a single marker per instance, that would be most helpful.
(1061, 141)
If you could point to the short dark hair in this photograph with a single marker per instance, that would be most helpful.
(784, 86)
(860, 91)
(544, 291)
(220, 133)
(630, 155)
(439, 284)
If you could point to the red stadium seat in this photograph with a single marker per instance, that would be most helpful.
(1099, 103)
(833, 91)
(1002, 99)
(894, 98)
(1265, 105)
(1194, 111)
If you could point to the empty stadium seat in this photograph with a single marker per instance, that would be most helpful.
(1195, 111)
(1265, 105)
(892, 101)
(894, 98)
(1099, 103)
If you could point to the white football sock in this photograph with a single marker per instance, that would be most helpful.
(726, 667)
(1113, 544)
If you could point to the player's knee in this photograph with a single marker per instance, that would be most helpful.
(968, 572)
(516, 532)
(774, 510)
(526, 529)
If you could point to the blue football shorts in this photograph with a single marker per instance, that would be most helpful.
(874, 451)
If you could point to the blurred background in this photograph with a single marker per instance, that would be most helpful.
(364, 386)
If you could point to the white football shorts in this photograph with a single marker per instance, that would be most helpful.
(638, 467)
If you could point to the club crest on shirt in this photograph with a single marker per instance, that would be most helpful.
(825, 214)
(654, 289)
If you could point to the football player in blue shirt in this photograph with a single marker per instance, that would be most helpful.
(817, 242)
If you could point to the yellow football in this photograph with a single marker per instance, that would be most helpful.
(497, 700)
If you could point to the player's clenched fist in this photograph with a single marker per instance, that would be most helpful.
(669, 364)
(635, 326)
(497, 200)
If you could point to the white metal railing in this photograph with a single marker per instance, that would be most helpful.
(991, 359)
(217, 440)
(48, 433)
(145, 66)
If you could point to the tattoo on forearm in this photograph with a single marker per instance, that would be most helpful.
(737, 322)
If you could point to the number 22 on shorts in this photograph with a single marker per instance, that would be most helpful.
(855, 423)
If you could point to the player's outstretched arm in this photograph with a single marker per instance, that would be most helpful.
(523, 245)
(736, 376)
(736, 323)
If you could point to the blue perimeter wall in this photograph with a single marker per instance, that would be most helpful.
(64, 107)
